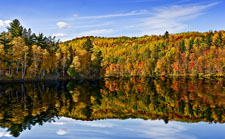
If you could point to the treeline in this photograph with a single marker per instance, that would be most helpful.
(24, 55)
(184, 54)
(25, 105)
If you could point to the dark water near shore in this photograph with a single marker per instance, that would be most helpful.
(113, 108)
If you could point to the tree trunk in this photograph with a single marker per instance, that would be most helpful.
(63, 71)
(43, 72)
(17, 97)
(24, 70)
(24, 67)
(17, 68)
(23, 92)
(9, 70)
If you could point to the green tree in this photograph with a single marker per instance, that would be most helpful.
(182, 46)
(88, 45)
(15, 28)
(5, 40)
(166, 35)
(208, 39)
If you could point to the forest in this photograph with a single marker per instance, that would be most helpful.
(24, 105)
(27, 56)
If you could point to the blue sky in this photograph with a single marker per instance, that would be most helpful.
(68, 19)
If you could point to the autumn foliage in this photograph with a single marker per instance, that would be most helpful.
(25, 55)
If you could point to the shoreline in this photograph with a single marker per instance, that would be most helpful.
(2, 81)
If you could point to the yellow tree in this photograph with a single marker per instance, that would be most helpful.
(76, 63)
(85, 62)
(17, 51)
(2, 56)
(74, 68)
(46, 62)
(63, 56)
(24, 60)
(36, 59)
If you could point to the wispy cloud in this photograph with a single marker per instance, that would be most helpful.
(172, 18)
(59, 34)
(96, 124)
(94, 25)
(179, 11)
(62, 24)
(4, 23)
(159, 130)
(96, 32)
(58, 123)
(75, 15)
(132, 13)
(138, 128)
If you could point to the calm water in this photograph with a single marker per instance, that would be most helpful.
(114, 108)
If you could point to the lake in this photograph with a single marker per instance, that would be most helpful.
(114, 108)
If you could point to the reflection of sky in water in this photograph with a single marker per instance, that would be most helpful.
(130, 128)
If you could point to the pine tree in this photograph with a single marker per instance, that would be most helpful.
(166, 35)
(15, 28)
(88, 45)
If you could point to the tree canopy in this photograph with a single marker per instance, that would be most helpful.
(26, 55)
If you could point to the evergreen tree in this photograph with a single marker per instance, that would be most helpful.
(88, 45)
(5, 40)
(166, 35)
(15, 28)
(182, 46)
(208, 39)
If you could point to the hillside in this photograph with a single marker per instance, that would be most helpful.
(27, 56)
(182, 54)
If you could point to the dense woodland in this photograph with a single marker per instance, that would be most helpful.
(25, 105)
(27, 56)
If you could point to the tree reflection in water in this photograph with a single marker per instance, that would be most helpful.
(25, 105)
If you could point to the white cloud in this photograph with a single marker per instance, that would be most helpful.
(58, 123)
(5, 134)
(171, 18)
(95, 25)
(96, 124)
(157, 129)
(59, 34)
(129, 128)
(177, 11)
(62, 132)
(62, 24)
(96, 32)
(4, 23)
(132, 13)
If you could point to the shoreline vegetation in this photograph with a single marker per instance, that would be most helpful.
(25, 56)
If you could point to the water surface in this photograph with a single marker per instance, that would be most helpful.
(114, 108)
